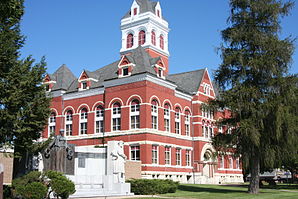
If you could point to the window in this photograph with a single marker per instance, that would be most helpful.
(167, 155)
(116, 116)
(230, 163)
(221, 162)
(135, 114)
(237, 163)
(154, 114)
(84, 85)
(206, 132)
(177, 121)
(99, 119)
(135, 153)
(207, 89)
(68, 123)
(203, 130)
(125, 71)
(47, 87)
(52, 124)
(153, 38)
(187, 157)
(83, 121)
(161, 42)
(167, 117)
(211, 132)
(129, 41)
(187, 124)
(154, 154)
(135, 11)
(158, 13)
(178, 156)
(142, 37)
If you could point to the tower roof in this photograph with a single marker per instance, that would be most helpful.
(145, 6)
(63, 77)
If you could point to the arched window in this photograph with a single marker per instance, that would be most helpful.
(116, 117)
(135, 114)
(99, 118)
(68, 123)
(142, 37)
(154, 114)
(153, 38)
(167, 117)
(187, 123)
(161, 42)
(52, 124)
(129, 41)
(177, 121)
(83, 121)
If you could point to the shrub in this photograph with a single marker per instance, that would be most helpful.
(151, 187)
(36, 185)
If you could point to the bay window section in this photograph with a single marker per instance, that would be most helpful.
(154, 114)
(135, 114)
(83, 121)
(116, 117)
(68, 123)
(99, 119)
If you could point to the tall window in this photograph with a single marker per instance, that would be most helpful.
(178, 156)
(68, 123)
(203, 130)
(222, 162)
(99, 119)
(161, 40)
(83, 121)
(167, 155)
(187, 123)
(116, 116)
(177, 121)
(135, 153)
(154, 114)
(167, 117)
(52, 124)
(135, 11)
(206, 131)
(135, 114)
(187, 157)
(142, 37)
(153, 38)
(237, 163)
(211, 132)
(129, 41)
(154, 154)
(231, 163)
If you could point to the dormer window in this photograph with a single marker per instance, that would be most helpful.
(84, 85)
(160, 72)
(48, 88)
(159, 69)
(135, 11)
(125, 71)
(158, 13)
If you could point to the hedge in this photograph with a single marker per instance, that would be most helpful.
(152, 187)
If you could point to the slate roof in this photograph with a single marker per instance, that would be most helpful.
(63, 77)
(188, 82)
(145, 6)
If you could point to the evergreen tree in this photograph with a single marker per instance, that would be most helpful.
(24, 106)
(255, 85)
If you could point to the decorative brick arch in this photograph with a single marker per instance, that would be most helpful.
(96, 104)
(83, 106)
(54, 110)
(205, 148)
(187, 109)
(167, 101)
(116, 99)
(132, 97)
(154, 97)
(179, 106)
(67, 109)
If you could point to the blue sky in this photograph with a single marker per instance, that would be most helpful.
(85, 34)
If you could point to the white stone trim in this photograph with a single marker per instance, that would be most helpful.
(159, 144)
(183, 95)
(85, 93)
(168, 166)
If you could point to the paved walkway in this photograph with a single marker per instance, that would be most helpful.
(120, 197)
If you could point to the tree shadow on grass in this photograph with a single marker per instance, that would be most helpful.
(208, 189)
(280, 186)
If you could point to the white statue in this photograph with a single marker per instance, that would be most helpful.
(118, 159)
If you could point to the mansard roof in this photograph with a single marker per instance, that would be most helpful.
(145, 6)
(63, 77)
(188, 82)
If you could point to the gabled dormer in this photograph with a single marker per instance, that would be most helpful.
(85, 80)
(49, 82)
(125, 66)
(159, 68)
(206, 86)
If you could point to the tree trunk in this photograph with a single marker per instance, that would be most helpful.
(254, 185)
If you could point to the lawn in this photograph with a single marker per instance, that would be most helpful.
(231, 192)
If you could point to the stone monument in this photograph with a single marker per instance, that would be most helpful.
(118, 160)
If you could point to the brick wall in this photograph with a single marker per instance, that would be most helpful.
(133, 169)
(1, 181)
(8, 165)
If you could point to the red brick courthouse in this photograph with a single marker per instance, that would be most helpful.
(135, 99)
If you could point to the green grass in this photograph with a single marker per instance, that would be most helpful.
(231, 192)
